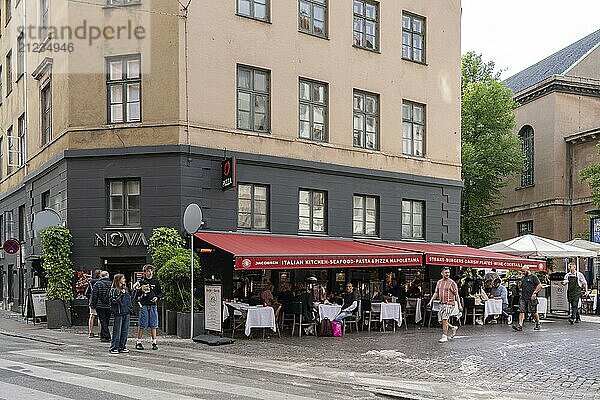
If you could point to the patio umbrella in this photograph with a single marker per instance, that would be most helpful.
(537, 246)
(585, 244)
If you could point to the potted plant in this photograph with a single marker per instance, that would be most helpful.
(175, 281)
(56, 251)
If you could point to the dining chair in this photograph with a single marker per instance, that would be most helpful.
(297, 312)
(237, 319)
(352, 319)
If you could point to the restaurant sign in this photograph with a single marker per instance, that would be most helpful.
(120, 239)
(481, 262)
(327, 261)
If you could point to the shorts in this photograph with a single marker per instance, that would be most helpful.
(93, 311)
(445, 312)
(528, 306)
(148, 317)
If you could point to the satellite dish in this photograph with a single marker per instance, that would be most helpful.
(192, 218)
(45, 219)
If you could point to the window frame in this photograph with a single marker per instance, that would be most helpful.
(364, 18)
(253, 93)
(14, 147)
(267, 18)
(8, 225)
(125, 82)
(365, 115)
(311, 104)
(7, 11)
(524, 224)
(412, 123)
(20, 55)
(527, 137)
(363, 220)
(22, 133)
(46, 112)
(411, 32)
(411, 224)
(125, 210)
(9, 73)
(45, 198)
(125, 3)
(311, 18)
(311, 207)
(252, 213)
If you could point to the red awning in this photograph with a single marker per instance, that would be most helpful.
(253, 251)
(462, 256)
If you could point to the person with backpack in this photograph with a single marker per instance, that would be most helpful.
(93, 313)
(147, 294)
(101, 303)
(120, 306)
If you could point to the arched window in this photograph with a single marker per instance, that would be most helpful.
(526, 135)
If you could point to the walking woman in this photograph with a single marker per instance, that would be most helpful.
(121, 306)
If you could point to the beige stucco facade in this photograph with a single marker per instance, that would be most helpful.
(217, 41)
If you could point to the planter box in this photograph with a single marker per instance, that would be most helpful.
(80, 312)
(171, 323)
(183, 324)
(58, 314)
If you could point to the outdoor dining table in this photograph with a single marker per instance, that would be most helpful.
(329, 311)
(542, 307)
(492, 307)
(236, 306)
(416, 304)
(390, 311)
(259, 317)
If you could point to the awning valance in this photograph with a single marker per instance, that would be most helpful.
(254, 251)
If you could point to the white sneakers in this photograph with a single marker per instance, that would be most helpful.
(453, 331)
(444, 339)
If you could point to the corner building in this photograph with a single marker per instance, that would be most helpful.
(343, 117)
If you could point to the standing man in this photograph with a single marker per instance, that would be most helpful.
(530, 287)
(575, 281)
(93, 313)
(147, 295)
(101, 303)
(447, 291)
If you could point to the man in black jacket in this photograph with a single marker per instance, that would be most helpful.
(147, 294)
(101, 303)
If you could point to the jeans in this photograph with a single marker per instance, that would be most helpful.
(342, 315)
(120, 331)
(104, 317)
(575, 308)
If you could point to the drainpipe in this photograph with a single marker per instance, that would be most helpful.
(570, 152)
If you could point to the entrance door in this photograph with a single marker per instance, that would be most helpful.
(127, 266)
(11, 283)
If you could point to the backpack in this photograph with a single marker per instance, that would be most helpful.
(325, 328)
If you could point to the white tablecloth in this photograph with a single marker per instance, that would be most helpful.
(416, 304)
(329, 311)
(236, 306)
(260, 317)
(542, 307)
(391, 311)
(492, 307)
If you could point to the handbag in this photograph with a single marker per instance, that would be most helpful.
(325, 328)
(336, 327)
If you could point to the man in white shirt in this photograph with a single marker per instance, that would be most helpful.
(576, 282)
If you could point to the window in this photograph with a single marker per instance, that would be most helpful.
(257, 9)
(365, 216)
(525, 227)
(412, 219)
(124, 81)
(413, 37)
(45, 199)
(413, 129)
(253, 206)
(1, 160)
(119, 3)
(312, 17)
(124, 202)
(366, 120)
(8, 224)
(20, 55)
(253, 104)
(526, 136)
(22, 224)
(313, 110)
(14, 147)
(8, 10)
(9, 73)
(366, 24)
(44, 17)
(312, 211)
(1, 88)
(46, 108)
(22, 126)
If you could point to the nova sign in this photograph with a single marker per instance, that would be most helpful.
(120, 239)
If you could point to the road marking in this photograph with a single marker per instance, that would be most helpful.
(193, 382)
(10, 391)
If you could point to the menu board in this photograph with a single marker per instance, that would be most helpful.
(213, 308)
(558, 297)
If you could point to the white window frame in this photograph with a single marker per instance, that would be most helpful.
(411, 223)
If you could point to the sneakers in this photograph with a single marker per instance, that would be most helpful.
(571, 321)
(91, 336)
(443, 339)
(537, 327)
(154, 346)
(517, 328)
(453, 332)
(479, 322)
(138, 346)
(113, 351)
(125, 350)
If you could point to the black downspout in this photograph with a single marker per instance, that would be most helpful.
(570, 188)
